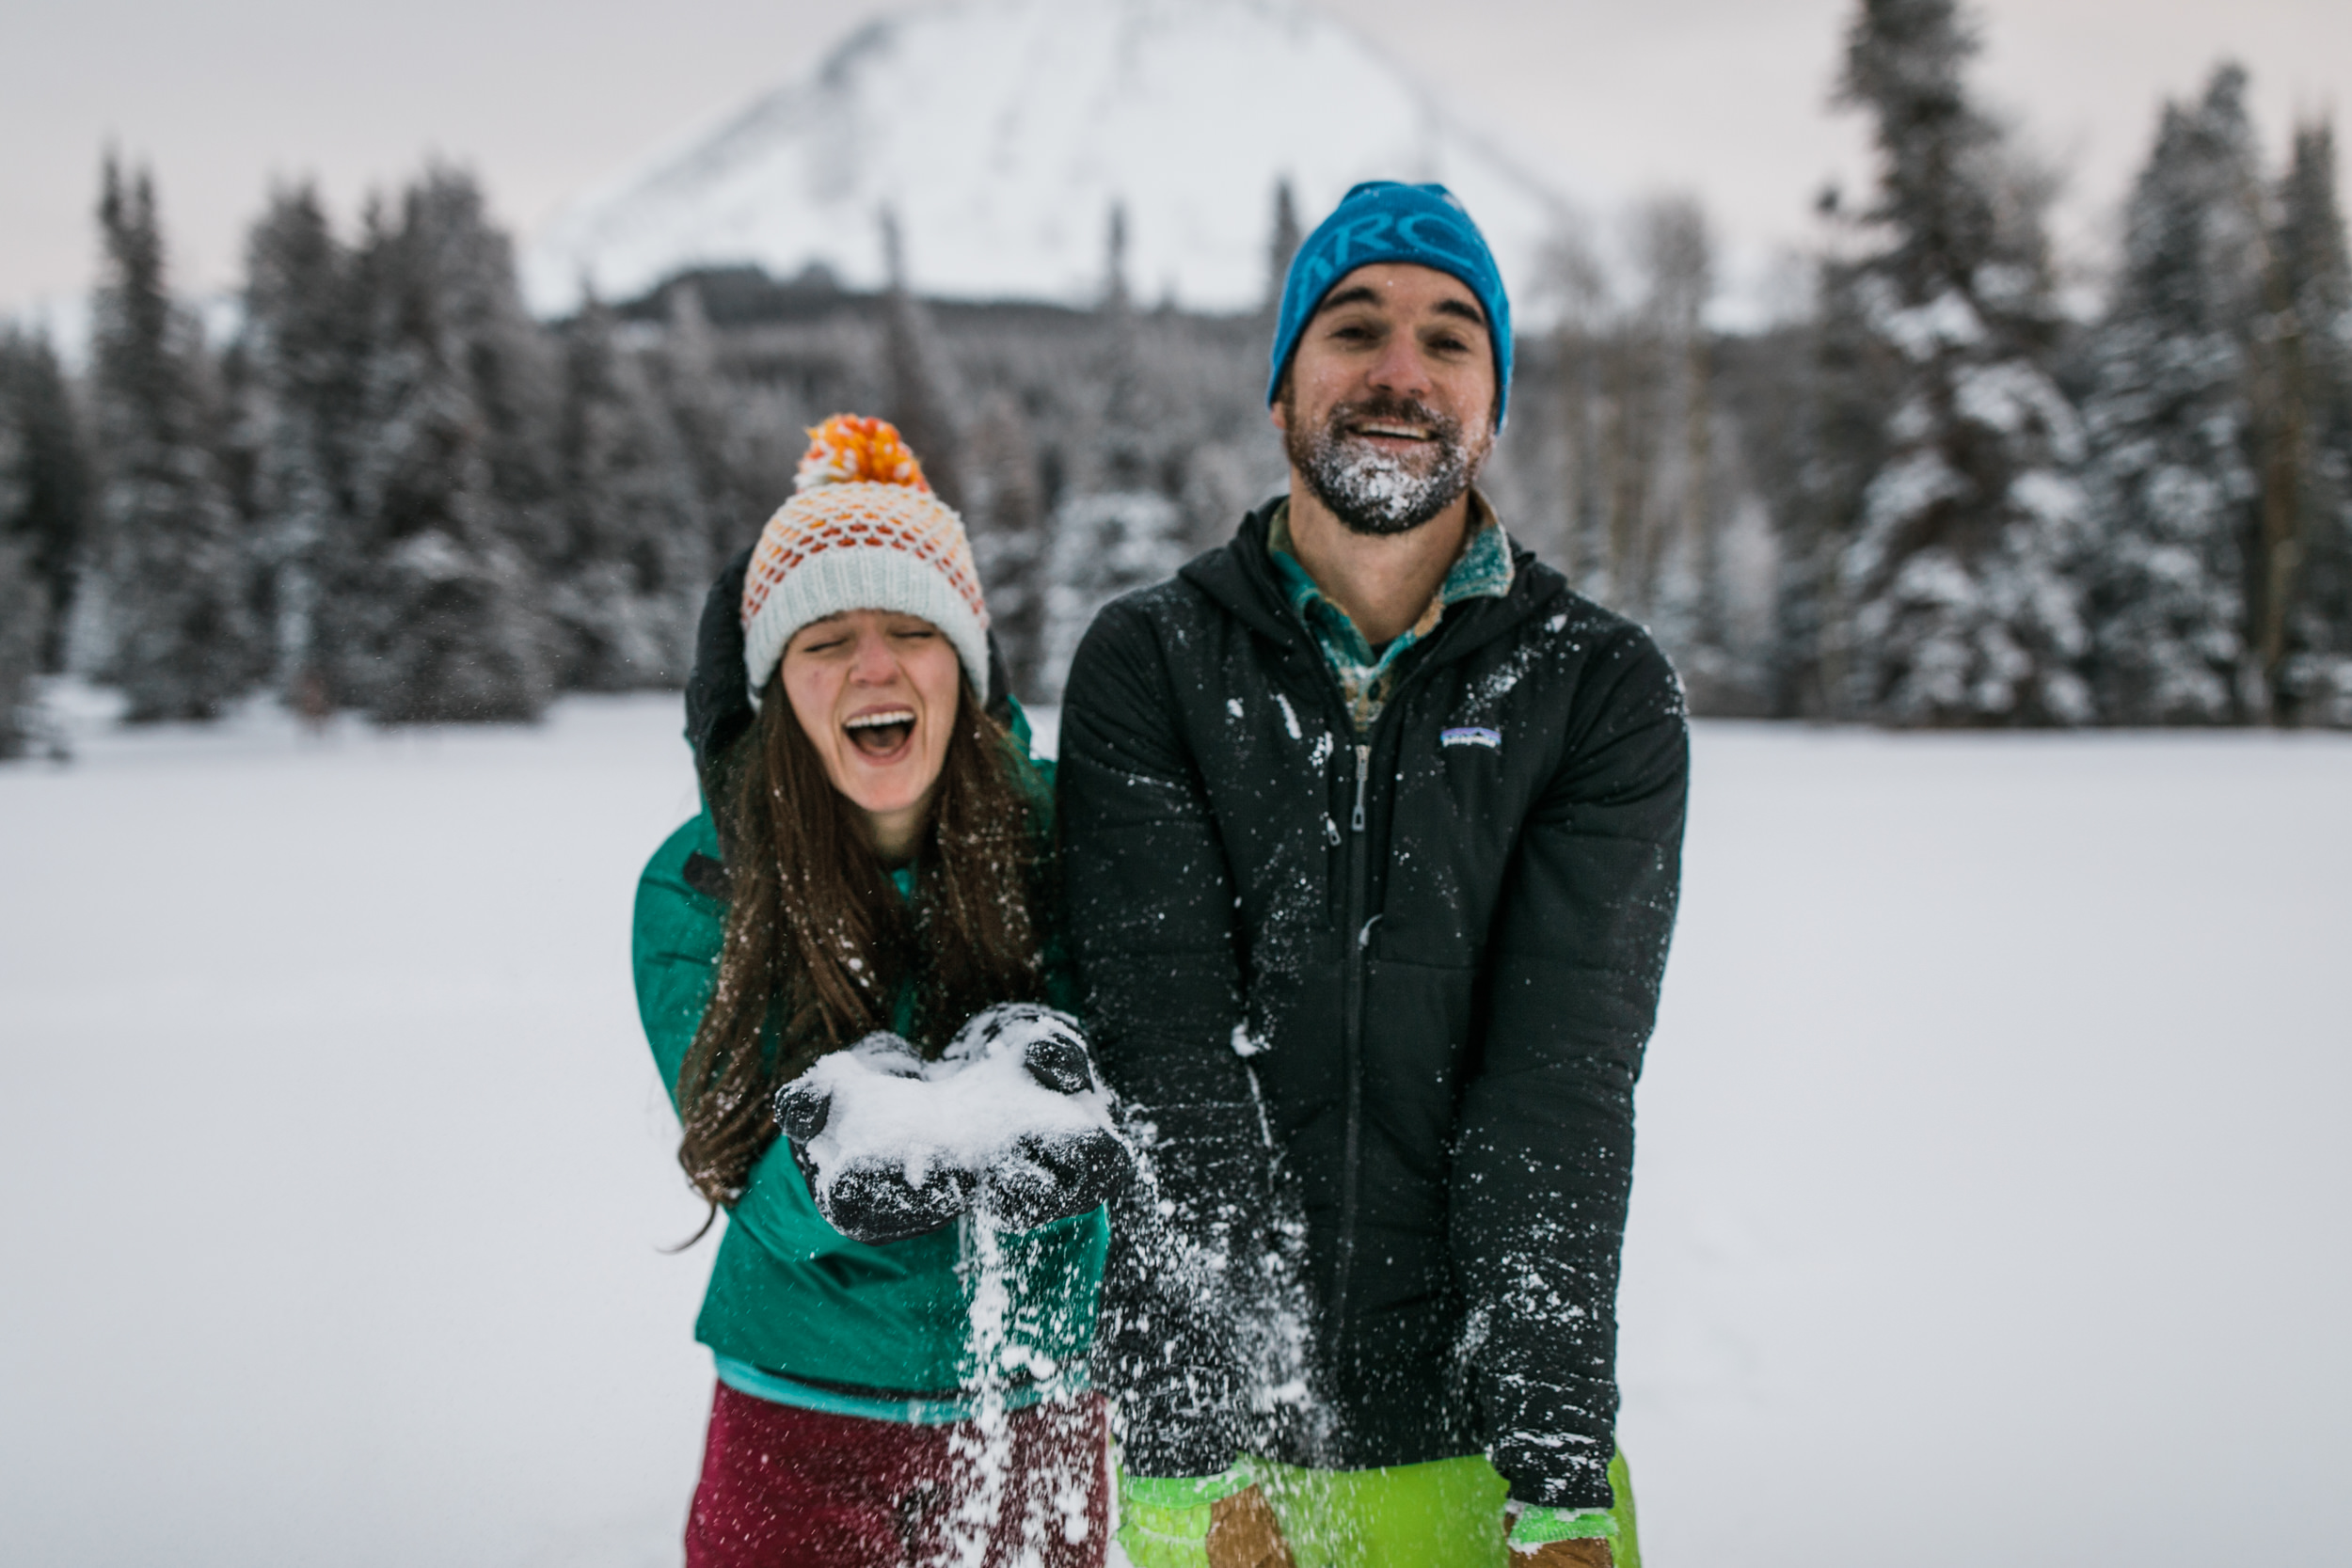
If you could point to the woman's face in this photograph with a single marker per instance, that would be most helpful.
(876, 692)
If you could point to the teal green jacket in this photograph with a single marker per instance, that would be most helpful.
(791, 1295)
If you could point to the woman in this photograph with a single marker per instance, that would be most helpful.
(872, 856)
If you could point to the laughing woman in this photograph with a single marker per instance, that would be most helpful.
(871, 861)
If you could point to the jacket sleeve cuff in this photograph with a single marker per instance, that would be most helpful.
(1535, 1525)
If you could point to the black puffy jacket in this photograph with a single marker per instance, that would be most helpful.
(1376, 1011)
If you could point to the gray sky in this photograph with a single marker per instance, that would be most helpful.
(1727, 98)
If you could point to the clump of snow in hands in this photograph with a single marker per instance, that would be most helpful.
(979, 1108)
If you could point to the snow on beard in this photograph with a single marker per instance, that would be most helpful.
(1373, 492)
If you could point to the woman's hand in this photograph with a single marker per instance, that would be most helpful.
(855, 1123)
(1052, 1171)
(1010, 1121)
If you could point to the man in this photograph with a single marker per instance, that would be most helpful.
(1373, 835)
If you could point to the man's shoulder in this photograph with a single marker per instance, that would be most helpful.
(1210, 589)
(1603, 655)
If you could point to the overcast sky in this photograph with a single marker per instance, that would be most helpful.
(1727, 98)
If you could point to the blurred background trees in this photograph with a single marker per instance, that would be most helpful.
(1924, 494)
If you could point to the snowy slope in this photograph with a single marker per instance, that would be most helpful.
(1002, 132)
(1991, 1199)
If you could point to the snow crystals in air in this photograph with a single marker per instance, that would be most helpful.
(980, 1107)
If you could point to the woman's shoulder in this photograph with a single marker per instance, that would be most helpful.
(1032, 769)
(673, 868)
(681, 895)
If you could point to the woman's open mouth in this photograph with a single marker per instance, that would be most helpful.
(881, 734)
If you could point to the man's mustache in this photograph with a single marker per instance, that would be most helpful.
(1393, 410)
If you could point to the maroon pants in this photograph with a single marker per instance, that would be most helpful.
(784, 1487)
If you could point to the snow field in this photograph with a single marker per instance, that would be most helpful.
(336, 1169)
(1992, 1185)
(1989, 1199)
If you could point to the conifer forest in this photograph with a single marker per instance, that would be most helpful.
(1929, 498)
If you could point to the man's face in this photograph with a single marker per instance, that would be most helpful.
(1389, 409)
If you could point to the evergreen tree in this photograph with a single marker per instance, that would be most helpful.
(2304, 588)
(2175, 494)
(437, 609)
(1582, 345)
(1008, 537)
(1953, 576)
(179, 631)
(633, 557)
(1105, 543)
(702, 409)
(23, 610)
(1119, 529)
(1282, 244)
(921, 396)
(1832, 439)
(302, 346)
(49, 516)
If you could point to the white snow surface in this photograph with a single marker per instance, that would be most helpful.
(1001, 134)
(1990, 1196)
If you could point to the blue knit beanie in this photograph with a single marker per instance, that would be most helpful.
(1382, 220)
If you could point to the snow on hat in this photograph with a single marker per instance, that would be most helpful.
(1382, 220)
(862, 531)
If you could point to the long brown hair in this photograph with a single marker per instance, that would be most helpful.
(818, 943)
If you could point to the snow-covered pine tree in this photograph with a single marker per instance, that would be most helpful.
(2173, 492)
(704, 414)
(922, 396)
(2304, 603)
(1117, 529)
(1105, 543)
(1954, 576)
(302, 345)
(1818, 435)
(632, 558)
(1008, 519)
(175, 571)
(1581, 345)
(1283, 241)
(23, 608)
(50, 518)
(437, 610)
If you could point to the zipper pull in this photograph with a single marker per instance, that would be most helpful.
(1363, 769)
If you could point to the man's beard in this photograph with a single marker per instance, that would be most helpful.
(1373, 492)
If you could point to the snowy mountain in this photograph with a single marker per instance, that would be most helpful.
(1002, 132)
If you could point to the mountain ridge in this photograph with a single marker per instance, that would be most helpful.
(1002, 133)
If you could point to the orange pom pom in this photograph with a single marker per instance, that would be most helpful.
(851, 448)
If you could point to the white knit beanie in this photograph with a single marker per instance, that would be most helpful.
(862, 531)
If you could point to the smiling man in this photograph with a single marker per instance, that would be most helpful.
(1373, 833)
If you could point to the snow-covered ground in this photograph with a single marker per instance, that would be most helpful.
(1991, 1201)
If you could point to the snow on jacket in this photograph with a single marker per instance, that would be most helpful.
(794, 1298)
(1376, 1009)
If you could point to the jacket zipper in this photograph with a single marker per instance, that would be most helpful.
(1351, 1035)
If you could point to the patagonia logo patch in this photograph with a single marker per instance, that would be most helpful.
(1472, 734)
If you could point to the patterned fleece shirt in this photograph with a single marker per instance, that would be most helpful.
(1367, 674)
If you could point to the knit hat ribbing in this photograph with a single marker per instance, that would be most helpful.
(1382, 220)
(863, 530)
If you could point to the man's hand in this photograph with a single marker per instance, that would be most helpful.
(1244, 1534)
(1198, 1522)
